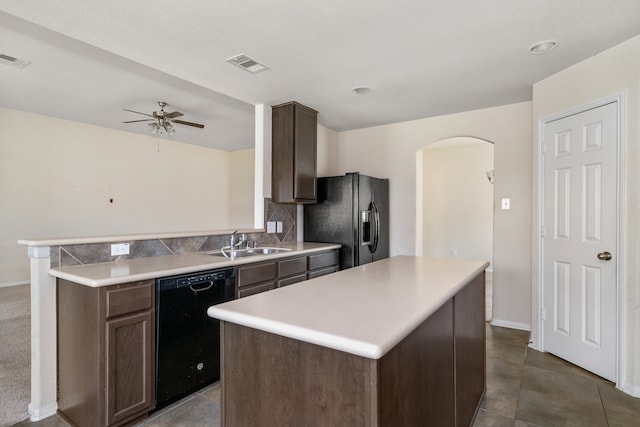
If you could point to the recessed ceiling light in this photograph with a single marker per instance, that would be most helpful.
(361, 90)
(542, 47)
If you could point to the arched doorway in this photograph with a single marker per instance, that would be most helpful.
(455, 202)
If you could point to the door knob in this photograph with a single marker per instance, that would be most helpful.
(604, 256)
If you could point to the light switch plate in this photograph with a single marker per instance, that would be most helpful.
(279, 227)
(119, 249)
(506, 203)
(271, 227)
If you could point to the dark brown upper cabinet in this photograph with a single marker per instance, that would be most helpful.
(293, 153)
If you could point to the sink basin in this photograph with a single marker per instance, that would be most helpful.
(239, 253)
(265, 251)
(232, 254)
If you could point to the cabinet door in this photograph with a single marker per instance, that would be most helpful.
(256, 289)
(129, 366)
(305, 141)
(293, 153)
(322, 272)
(322, 260)
(291, 280)
(256, 273)
(291, 266)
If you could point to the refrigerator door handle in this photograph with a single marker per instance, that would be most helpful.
(366, 231)
(376, 227)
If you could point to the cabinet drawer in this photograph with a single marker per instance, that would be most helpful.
(256, 289)
(256, 273)
(293, 279)
(322, 272)
(129, 299)
(292, 266)
(323, 260)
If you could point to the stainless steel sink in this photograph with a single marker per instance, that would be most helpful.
(265, 251)
(239, 253)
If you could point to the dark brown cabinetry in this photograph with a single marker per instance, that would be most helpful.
(264, 276)
(256, 278)
(435, 376)
(293, 153)
(105, 352)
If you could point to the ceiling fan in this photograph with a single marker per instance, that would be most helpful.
(162, 120)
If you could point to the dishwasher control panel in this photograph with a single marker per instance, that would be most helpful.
(185, 281)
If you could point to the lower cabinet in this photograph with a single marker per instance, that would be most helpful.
(106, 362)
(264, 276)
(435, 376)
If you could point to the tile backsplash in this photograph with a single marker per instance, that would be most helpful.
(92, 253)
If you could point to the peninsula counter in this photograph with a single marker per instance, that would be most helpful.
(396, 342)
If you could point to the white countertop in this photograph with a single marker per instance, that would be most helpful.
(364, 310)
(131, 270)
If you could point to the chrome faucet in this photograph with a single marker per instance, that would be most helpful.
(232, 241)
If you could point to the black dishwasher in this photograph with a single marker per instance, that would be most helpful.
(187, 340)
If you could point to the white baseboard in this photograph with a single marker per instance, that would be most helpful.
(7, 284)
(512, 325)
(42, 412)
(631, 390)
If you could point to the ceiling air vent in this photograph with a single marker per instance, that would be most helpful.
(247, 63)
(14, 62)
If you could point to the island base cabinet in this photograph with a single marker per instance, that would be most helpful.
(416, 377)
(434, 377)
(270, 380)
(470, 350)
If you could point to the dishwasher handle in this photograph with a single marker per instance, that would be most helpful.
(201, 286)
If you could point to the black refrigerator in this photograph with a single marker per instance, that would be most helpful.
(352, 210)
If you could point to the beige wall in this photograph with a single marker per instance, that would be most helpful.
(241, 183)
(390, 151)
(327, 162)
(57, 176)
(613, 71)
(458, 199)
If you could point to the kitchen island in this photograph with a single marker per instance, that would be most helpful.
(399, 342)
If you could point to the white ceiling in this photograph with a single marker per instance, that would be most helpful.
(421, 58)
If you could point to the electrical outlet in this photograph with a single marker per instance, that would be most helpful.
(271, 227)
(119, 249)
(279, 227)
(454, 252)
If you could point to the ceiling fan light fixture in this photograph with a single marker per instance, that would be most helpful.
(542, 47)
(162, 121)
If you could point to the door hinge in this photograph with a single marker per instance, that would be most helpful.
(542, 231)
(544, 314)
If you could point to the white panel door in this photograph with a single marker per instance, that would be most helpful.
(580, 238)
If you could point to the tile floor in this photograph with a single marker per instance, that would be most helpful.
(529, 388)
(525, 388)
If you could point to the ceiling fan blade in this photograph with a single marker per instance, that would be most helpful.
(143, 120)
(137, 112)
(173, 115)
(182, 122)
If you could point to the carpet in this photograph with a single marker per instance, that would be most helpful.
(15, 354)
